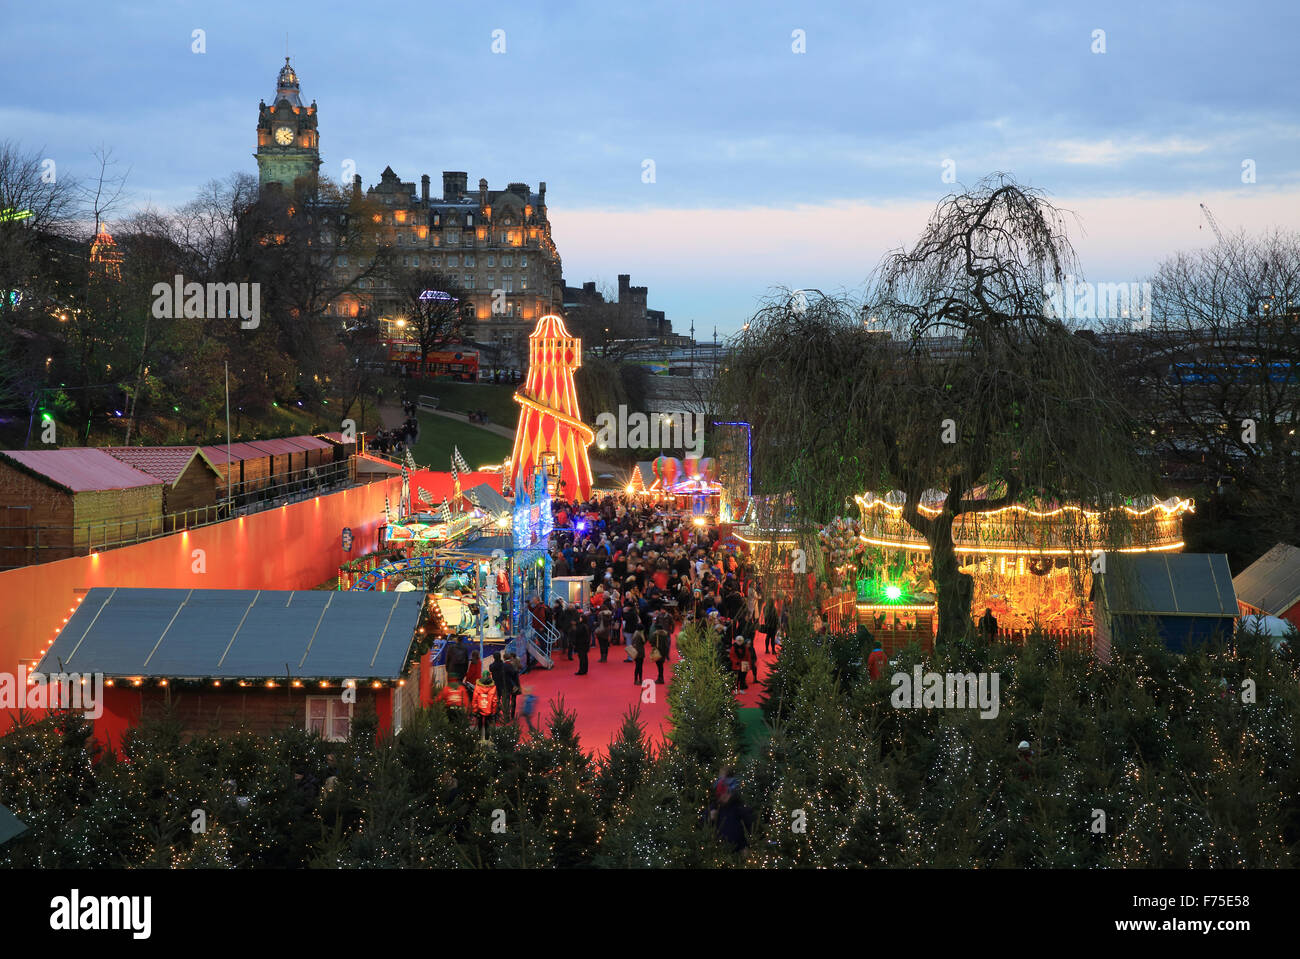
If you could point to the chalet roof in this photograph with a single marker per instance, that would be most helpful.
(237, 452)
(1272, 582)
(167, 463)
(79, 469)
(256, 449)
(1169, 584)
(336, 439)
(238, 634)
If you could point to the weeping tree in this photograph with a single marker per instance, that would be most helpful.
(949, 382)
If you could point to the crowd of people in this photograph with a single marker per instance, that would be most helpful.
(396, 441)
(650, 574)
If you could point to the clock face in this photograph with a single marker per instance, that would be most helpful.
(283, 136)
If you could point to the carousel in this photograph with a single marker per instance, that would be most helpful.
(1031, 564)
(685, 486)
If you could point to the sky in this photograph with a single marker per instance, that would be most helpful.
(792, 144)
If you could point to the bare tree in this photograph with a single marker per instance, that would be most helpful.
(949, 377)
(1216, 382)
(432, 304)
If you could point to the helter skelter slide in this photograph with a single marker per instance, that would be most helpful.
(551, 430)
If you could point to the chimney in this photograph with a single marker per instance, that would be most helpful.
(356, 185)
(424, 189)
(453, 184)
(482, 193)
(541, 193)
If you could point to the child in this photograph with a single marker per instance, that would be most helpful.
(529, 707)
(485, 703)
(454, 696)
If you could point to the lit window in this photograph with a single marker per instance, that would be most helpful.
(329, 717)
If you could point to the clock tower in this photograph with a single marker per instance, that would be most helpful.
(288, 144)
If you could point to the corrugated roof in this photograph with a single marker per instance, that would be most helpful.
(1169, 584)
(166, 463)
(1272, 582)
(256, 449)
(238, 634)
(238, 451)
(308, 443)
(275, 447)
(81, 469)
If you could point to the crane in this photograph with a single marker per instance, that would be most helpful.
(1214, 225)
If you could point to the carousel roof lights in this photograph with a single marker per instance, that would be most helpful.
(1025, 551)
(1171, 507)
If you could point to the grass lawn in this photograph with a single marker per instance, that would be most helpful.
(438, 435)
(462, 397)
(756, 731)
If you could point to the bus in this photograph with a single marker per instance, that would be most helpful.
(452, 361)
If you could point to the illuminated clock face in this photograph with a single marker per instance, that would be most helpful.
(283, 136)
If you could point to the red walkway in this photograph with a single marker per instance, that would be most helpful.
(602, 697)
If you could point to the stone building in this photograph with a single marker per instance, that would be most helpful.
(493, 245)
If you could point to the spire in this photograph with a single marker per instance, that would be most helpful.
(286, 85)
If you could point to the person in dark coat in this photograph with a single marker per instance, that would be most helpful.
(604, 631)
(663, 642)
(581, 645)
(638, 650)
(509, 687)
(457, 658)
(732, 820)
(988, 626)
(770, 623)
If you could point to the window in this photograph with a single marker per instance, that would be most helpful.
(469, 259)
(329, 717)
(489, 280)
(453, 238)
(523, 259)
(510, 284)
(469, 219)
(437, 240)
(343, 261)
(492, 260)
(523, 283)
(453, 259)
(435, 260)
(415, 260)
(469, 281)
(507, 259)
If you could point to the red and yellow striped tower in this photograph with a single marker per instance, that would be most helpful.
(550, 426)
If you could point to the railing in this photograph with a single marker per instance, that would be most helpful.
(1077, 639)
(30, 544)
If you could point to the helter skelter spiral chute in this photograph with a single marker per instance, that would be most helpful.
(551, 429)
